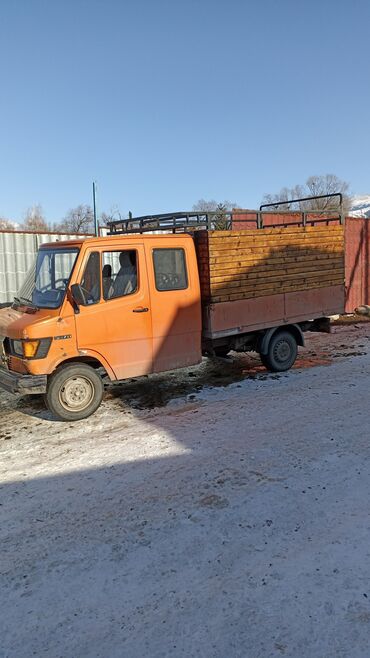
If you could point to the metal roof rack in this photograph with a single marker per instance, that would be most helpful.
(182, 222)
(171, 222)
(308, 198)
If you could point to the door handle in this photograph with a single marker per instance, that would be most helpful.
(140, 309)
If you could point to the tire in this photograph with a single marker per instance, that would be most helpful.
(282, 352)
(74, 392)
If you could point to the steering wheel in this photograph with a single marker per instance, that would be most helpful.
(63, 282)
(87, 294)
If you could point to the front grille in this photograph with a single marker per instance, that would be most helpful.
(16, 364)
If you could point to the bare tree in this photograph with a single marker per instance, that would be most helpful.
(113, 215)
(77, 220)
(220, 221)
(329, 184)
(7, 224)
(314, 186)
(34, 219)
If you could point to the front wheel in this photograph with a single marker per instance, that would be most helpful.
(74, 392)
(282, 352)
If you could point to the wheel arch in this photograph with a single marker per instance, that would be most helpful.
(89, 358)
(294, 329)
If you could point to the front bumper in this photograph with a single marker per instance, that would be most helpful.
(14, 382)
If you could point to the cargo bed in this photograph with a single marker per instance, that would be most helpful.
(253, 279)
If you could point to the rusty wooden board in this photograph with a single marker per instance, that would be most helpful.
(244, 315)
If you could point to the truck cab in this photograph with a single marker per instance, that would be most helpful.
(124, 306)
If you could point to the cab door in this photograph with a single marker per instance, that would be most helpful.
(175, 300)
(116, 322)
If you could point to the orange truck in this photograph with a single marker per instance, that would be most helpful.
(157, 294)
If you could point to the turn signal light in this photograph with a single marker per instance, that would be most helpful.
(30, 348)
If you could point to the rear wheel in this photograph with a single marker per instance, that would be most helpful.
(282, 352)
(74, 392)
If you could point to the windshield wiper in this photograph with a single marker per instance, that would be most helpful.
(24, 301)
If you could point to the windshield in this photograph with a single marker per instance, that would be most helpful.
(46, 282)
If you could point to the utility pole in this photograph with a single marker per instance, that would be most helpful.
(96, 226)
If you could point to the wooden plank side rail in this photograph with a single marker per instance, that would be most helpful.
(251, 263)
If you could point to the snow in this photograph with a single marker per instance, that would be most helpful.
(360, 206)
(231, 521)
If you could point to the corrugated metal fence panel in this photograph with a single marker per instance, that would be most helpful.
(357, 240)
(17, 255)
(245, 219)
(56, 237)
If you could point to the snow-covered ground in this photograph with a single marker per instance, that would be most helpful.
(231, 521)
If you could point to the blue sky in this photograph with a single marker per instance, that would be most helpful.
(164, 102)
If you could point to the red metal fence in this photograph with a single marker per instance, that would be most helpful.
(357, 251)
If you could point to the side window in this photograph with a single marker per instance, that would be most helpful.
(90, 282)
(170, 269)
(120, 273)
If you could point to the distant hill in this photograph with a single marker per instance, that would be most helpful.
(360, 206)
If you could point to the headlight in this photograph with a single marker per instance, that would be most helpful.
(31, 349)
(17, 347)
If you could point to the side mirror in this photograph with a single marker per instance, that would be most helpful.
(77, 295)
